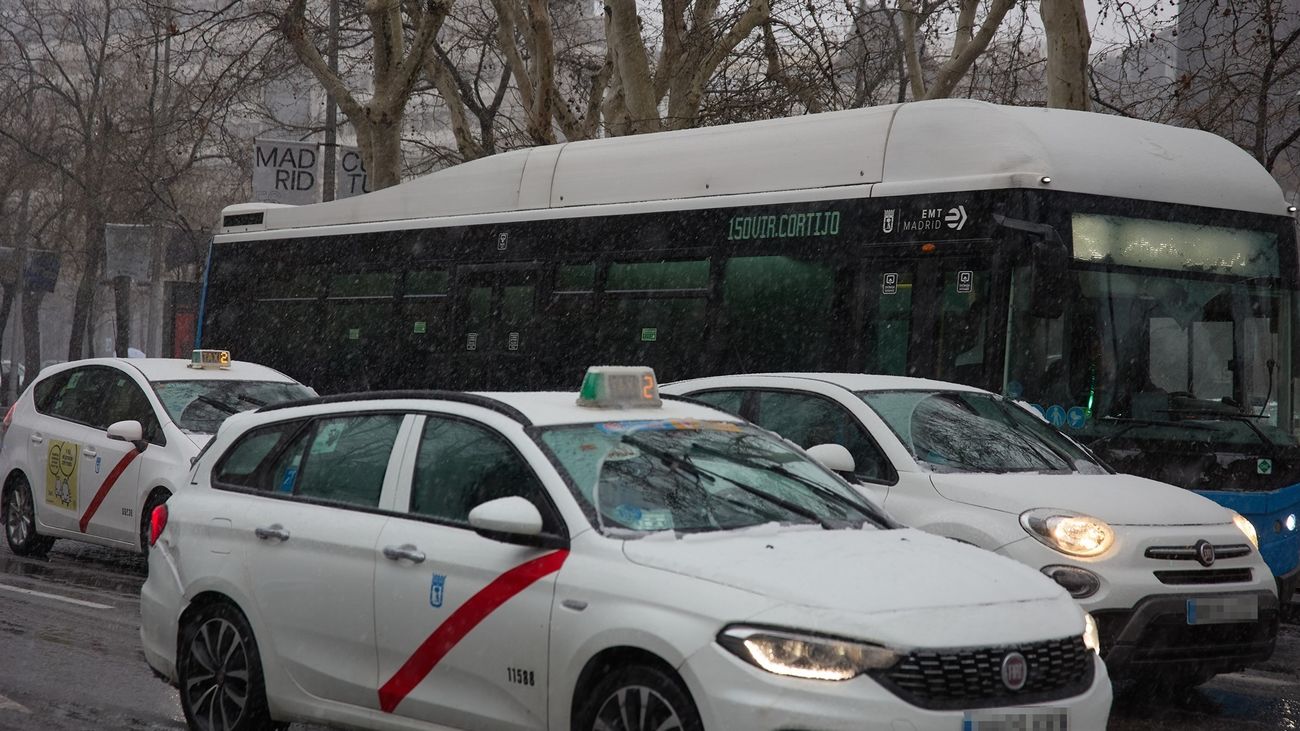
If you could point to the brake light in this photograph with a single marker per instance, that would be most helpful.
(9, 416)
(157, 522)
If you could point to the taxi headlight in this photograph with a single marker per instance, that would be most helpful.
(1068, 532)
(804, 656)
(1246, 527)
(1091, 635)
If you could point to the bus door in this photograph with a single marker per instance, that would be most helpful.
(929, 317)
(498, 340)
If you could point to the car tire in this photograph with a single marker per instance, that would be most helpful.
(219, 672)
(19, 518)
(156, 498)
(638, 698)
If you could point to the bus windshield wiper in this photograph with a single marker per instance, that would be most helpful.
(1212, 415)
(689, 466)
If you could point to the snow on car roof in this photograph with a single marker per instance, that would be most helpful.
(177, 369)
(851, 381)
(553, 408)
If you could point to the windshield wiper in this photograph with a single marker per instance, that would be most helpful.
(1212, 415)
(219, 405)
(826, 493)
(686, 463)
(250, 400)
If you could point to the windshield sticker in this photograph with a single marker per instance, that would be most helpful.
(290, 475)
(435, 590)
(1075, 417)
(1056, 415)
(636, 518)
(622, 452)
(61, 476)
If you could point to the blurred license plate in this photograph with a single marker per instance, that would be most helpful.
(1220, 610)
(1012, 719)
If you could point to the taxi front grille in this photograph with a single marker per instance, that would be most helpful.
(972, 677)
(1205, 576)
(1189, 553)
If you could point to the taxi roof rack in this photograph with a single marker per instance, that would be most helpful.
(460, 396)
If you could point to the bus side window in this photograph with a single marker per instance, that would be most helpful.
(776, 315)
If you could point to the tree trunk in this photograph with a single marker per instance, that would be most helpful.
(122, 311)
(1068, 43)
(6, 307)
(32, 332)
(85, 297)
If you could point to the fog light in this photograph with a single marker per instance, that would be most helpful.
(1081, 583)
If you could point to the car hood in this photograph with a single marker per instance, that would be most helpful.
(1116, 499)
(857, 571)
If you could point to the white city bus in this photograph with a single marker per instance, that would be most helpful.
(1135, 281)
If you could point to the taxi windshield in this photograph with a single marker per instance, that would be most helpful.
(199, 406)
(959, 431)
(698, 476)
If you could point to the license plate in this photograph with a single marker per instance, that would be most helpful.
(1017, 719)
(1223, 609)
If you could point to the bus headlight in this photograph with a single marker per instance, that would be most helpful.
(804, 656)
(1245, 526)
(1068, 532)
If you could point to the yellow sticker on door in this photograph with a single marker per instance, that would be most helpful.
(61, 475)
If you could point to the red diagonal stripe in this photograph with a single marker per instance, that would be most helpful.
(461, 622)
(108, 485)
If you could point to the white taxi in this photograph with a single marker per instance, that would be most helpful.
(1175, 581)
(93, 445)
(589, 561)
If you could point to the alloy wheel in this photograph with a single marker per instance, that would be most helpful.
(18, 514)
(636, 708)
(217, 683)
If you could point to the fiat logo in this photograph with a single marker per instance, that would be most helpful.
(1015, 671)
(1204, 552)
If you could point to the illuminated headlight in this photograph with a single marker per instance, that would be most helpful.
(1068, 532)
(804, 656)
(1245, 526)
(1290, 522)
(1091, 637)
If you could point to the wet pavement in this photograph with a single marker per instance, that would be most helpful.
(70, 660)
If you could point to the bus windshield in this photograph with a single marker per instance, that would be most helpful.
(1187, 348)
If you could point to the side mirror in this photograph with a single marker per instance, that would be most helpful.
(128, 431)
(834, 457)
(507, 519)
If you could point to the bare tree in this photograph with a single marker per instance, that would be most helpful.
(397, 59)
(1068, 43)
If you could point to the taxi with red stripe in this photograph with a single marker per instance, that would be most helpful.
(92, 446)
(608, 559)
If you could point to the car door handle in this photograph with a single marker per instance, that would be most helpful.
(405, 551)
(273, 531)
(89, 453)
(37, 439)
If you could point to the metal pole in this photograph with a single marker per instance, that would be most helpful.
(331, 110)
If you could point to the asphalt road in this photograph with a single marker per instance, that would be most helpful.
(70, 660)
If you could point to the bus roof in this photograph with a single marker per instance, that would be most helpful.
(947, 145)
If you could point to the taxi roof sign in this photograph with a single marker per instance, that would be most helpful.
(210, 359)
(619, 387)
